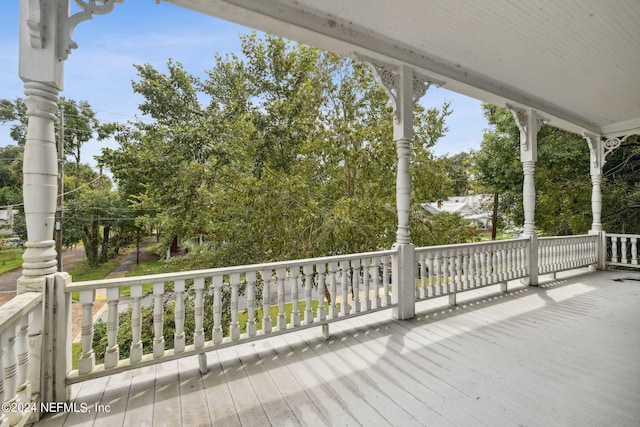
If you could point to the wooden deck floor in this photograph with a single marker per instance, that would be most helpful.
(566, 353)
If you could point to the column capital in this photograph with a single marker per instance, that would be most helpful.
(69, 22)
(391, 79)
(529, 122)
(46, 29)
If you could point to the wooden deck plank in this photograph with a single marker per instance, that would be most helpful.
(166, 405)
(348, 368)
(302, 405)
(141, 397)
(244, 397)
(274, 404)
(193, 401)
(220, 402)
(326, 398)
(398, 373)
(372, 373)
(114, 401)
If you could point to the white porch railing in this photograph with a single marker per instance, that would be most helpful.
(567, 252)
(355, 284)
(446, 270)
(251, 302)
(20, 335)
(622, 250)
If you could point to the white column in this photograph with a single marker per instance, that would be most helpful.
(529, 123)
(45, 43)
(41, 72)
(596, 153)
(404, 90)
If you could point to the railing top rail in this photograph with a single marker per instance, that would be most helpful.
(472, 245)
(622, 235)
(17, 307)
(581, 236)
(197, 274)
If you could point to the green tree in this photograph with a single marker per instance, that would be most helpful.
(620, 188)
(563, 186)
(292, 156)
(458, 169)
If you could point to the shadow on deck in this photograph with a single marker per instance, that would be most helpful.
(563, 353)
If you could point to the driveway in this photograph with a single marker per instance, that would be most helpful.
(8, 280)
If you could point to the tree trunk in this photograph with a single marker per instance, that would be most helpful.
(494, 217)
(105, 242)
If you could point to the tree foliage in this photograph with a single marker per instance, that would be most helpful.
(563, 183)
(620, 188)
(284, 152)
(94, 213)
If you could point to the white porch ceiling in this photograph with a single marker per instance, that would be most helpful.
(576, 61)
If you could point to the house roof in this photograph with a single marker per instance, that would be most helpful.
(470, 207)
(575, 62)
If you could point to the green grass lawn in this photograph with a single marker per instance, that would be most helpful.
(83, 272)
(10, 259)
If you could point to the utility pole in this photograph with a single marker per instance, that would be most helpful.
(60, 191)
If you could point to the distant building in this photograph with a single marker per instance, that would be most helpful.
(476, 208)
(6, 222)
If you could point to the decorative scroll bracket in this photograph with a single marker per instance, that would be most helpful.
(611, 144)
(390, 81)
(35, 24)
(595, 149)
(69, 23)
(522, 120)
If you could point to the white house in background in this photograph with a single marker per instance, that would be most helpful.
(475, 207)
(6, 222)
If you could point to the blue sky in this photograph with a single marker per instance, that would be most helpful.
(100, 71)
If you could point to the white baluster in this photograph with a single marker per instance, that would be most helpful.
(4, 420)
(250, 279)
(437, 261)
(483, 268)
(178, 336)
(267, 323)
(308, 293)
(623, 250)
(234, 280)
(333, 307)
(198, 332)
(471, 272)
(158, 320)
(445, 272)
(321, 312)
(368, 272)
(377, 280)
(24, 386)
(10, 372)
(634, 250)
(217, 308)
(459, 262)
(281, 274)
(386, 280)
(135, 351)
(431, 283)
(112, 354)
(295, 301)
(424, 278)
(614, 249)
(345, 276)
(87, 361)
(355, 284)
